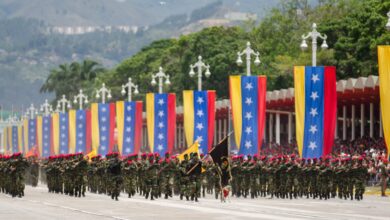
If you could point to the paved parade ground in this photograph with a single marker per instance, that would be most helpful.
(39, 204)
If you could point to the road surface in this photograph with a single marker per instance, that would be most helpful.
(40, 205)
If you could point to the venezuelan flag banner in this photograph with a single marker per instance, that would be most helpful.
(103, 125)
(46, 136)
(39, 135)
(63, 126)
(384, 90)
(25, 135)
(32, 133)
(15, 139)
(247, 97)
(81, 131)
(199, 118)
(9, 139)
(315, 109)
(55, 119)
(129, 125)
(20, 139)
(72, 131)
(161, 121)
(4, 147)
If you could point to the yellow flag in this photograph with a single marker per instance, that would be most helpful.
(193, 149)
(91, 154)
(384, 90)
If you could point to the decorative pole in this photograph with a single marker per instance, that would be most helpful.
(32, 111)
(129, 86)
(62, 104)
(105, 93)
(314, 34)
(46, 108)
(200, 65)
(388, 21)
(80, 99)
(248, 52)
(160, 75)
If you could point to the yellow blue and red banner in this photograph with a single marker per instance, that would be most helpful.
(248, 100)
(161, 121)
(384, 90)
(63, 133)
(103, 125)
(81, 132)
(199, 118)
(32, 133)
(129, 126)
(315, 109)
(5, 141)
(15, 139)
(47, 136)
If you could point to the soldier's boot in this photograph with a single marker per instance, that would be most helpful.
(196, 199)
(151, 196)
(192, 197)
(216, 195)
(204, 193)
(116, 198)
(166, 196)
(252, 195)
(181, 196)
(188, 198)
(147, 195)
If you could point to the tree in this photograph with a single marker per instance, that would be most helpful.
(67, 79)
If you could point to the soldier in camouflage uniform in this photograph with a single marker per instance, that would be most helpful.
(18, 166)
(245, 184)
(166, 173)
(143, 164)
(361, 174)
(254, 171)
(80, 167)
(130, 173)
(93, 178)
(114, 172)
(292, 177)
(194, 178)
(151, 177)
(184, 180)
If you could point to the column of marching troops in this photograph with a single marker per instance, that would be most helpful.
(282, 176)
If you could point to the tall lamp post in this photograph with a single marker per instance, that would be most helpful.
(105, 93)
(62, 104)
(32, 111)
(314, 34)
(248, 51)
(129, 86)
(46, 108)
(80, 99)
(160, 75)
(200, 65)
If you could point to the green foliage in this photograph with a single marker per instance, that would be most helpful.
(354, 29)
(68, 79)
